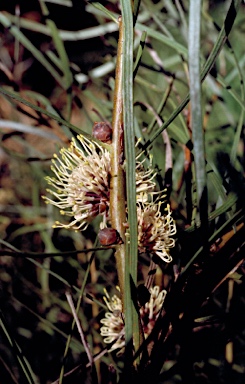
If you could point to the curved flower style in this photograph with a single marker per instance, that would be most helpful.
(155, 230)
(81, 183)
(113, 329)
(150, 311)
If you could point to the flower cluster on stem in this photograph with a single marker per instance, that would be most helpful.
(81, 183)
(113, 330)
(81, 190)
(155, 230)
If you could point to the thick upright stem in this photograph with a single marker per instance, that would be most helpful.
(117, 183)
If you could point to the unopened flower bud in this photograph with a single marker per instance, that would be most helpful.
(102, 131)
(108, 236)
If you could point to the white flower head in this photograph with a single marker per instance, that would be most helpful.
(113, 323)
(113, 329)
(155, 230)
(81, 183)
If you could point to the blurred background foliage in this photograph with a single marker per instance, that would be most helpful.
(75, 81)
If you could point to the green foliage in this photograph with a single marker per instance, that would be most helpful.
(183, 98)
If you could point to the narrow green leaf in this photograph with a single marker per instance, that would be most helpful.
(238, 133)
(136, 9)
(228, 88)
(59, 45)
(104, 10)
(216, 180)
(226, 206)
(164, 39)
(139, 53)
(196, 107)
(129, 138)
(237, 138)
(162, 103)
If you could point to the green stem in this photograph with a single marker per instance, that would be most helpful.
(117, 184)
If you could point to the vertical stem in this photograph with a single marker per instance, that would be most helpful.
(117, 183)
(126, 256)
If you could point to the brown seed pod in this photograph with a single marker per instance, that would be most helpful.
(102, 131)
(108, 236)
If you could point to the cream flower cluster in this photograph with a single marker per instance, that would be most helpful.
(80, 189)
(113, 330)
(155, 229)
(81, 183)
(156, 225)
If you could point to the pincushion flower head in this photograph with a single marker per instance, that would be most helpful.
(81, 186)
(155, 230)
(81, 183)
(113, 323)
(113, 330)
